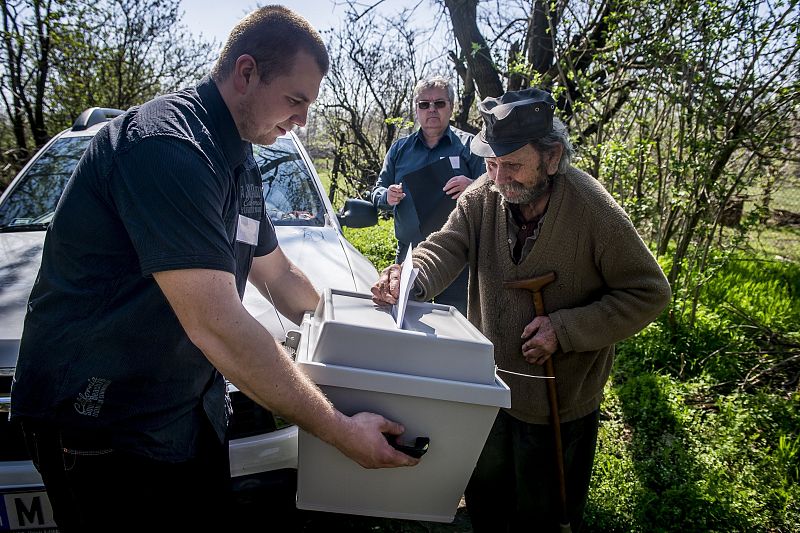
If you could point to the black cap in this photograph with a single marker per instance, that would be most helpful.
(512, 120)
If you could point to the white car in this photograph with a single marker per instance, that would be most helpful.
(263, 447)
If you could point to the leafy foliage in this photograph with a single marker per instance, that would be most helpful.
(378, 243)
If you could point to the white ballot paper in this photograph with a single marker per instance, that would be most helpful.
(407, 275)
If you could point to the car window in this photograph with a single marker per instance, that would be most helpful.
(34, 198)
(290, 194)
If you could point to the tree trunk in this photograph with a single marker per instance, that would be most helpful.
(515, 78)
(541, 37)
(463, 15)
(40, 136)
(461, 119)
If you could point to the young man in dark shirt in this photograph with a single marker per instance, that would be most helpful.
(136, 314)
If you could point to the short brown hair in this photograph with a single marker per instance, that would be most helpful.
(273, 35)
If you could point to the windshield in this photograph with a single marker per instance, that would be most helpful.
(290, 192)
(33, 200)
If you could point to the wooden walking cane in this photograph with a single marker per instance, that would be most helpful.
(535, 286)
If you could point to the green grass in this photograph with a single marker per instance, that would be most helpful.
(780, 243)
(787, 196)
(691, 441)
(377, 243)
(323, 167)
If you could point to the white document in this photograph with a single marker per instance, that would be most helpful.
(407, 276)
(455, 162)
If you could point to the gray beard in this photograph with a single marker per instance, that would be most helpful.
(522, 194)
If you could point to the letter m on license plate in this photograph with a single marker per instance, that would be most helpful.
(25, 510)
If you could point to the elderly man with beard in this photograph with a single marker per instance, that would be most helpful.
(530, 214)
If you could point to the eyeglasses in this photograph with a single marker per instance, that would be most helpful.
(425, 104)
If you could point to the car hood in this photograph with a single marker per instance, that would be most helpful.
(20, 255)
(326, 258)
(322, 253)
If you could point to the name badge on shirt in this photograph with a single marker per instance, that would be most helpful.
(247, 230)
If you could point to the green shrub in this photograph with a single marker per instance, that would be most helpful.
(377, 243)
(672, 458)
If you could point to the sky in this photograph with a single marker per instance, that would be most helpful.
(215, 18)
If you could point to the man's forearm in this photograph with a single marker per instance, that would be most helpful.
(247, 355)
(293, 294)
(285, 285)
(208, 307)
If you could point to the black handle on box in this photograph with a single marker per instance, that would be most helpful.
(417, 450)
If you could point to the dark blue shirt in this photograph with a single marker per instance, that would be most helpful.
(162, 187)
(411, 153)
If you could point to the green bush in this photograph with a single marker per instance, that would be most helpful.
(377, 243)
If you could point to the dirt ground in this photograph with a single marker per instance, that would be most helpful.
(284, 517)
(327, 522)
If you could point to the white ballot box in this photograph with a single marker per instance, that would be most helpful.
(436, 341)
(354, 352)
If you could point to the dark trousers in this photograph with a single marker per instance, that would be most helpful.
(455, 294)
(514, 485)
(95, 488)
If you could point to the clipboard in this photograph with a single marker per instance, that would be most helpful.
(425, 186)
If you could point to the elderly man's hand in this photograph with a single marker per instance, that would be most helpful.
(387, 289)
(541, 342)
(455, 186)
(395, 193)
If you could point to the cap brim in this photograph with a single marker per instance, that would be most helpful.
(479, 146)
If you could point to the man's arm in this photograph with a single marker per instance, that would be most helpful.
(207, 304)
(285, 285)
(439, 258)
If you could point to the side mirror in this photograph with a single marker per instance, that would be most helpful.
(357, 214)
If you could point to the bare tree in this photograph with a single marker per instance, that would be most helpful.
(26, 57)
(122, 53)
(60, 57)
(366, 98)
(476, 52)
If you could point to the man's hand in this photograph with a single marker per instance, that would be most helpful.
(365, 443)
(455, 186)
(395, 194)
(542, 340)
(386, 290)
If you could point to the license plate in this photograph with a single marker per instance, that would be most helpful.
(22, 511)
